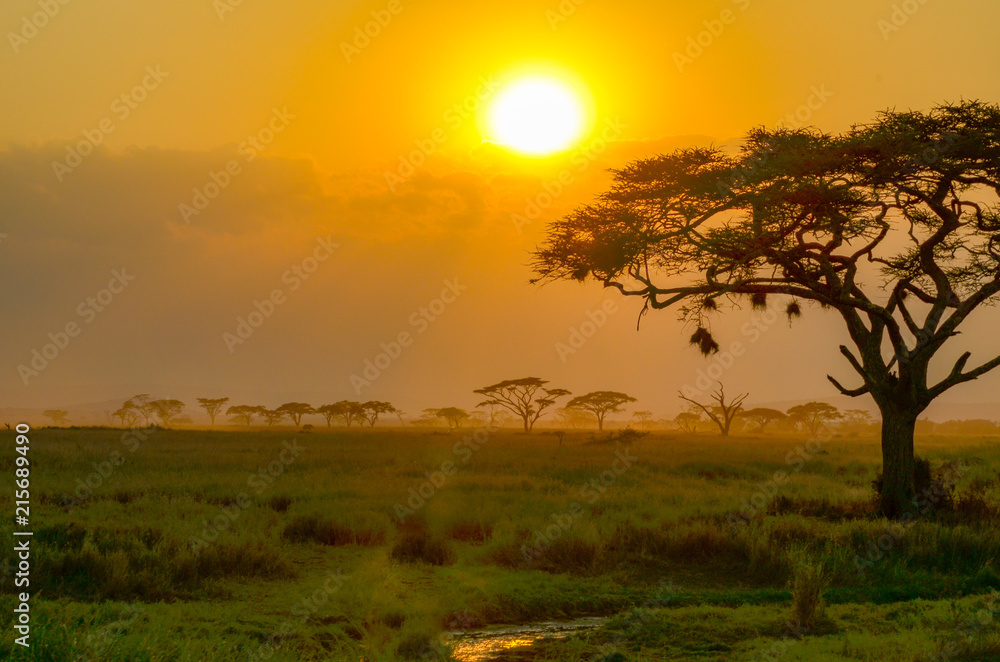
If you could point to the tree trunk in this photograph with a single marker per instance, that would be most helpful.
(897, 461)
(600, 424)
(527, 425)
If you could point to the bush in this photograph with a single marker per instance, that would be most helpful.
(466, 531)
(808, 585)
(279, 504)
(312, 528)
(415, 546)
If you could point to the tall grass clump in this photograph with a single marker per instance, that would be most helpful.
(808, 583)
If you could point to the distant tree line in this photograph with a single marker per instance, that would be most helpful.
(143, 409)
(529, 399)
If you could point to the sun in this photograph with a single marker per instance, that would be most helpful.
(537, 114)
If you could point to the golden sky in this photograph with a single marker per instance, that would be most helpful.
(307, 128)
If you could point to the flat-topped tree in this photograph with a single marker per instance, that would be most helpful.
(762, 416)
(600, 404)
(687, 421)
(142, 405)
(371, 410)
(892, 225)
(330, 412)
(814, 415)
(212, 406)
(128, 414)
(644, 418)
(272, 416)
(527, 398)
(454, 415)
(58, 416)
(166, 410)
(295, 411)
(245, 413)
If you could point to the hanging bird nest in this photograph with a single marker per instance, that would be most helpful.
(702, 337)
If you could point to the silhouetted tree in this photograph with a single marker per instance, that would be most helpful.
(166, 410)
(687, 421)
(272, 416)
(330, 412)
(762, 416)
(128, 414)
(573, 418)
(58, 416)
(354, 412)
(371, 410)
(814, 415)
(857, 419)
(212, 406)
(644, 418)
(453, 415)
(526, 398)
(600, 404)
(721, 413)
(295, 411)
(143, 406)
(245, 413)
(893, 225)
(494, 413)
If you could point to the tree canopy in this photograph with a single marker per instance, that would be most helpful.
(295, 411)
(527, 398)
(892, 225)
(600, 404)
(212, 406)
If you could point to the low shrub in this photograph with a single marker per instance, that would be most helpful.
(419, 546)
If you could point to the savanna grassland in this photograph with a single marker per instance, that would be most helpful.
(277, 545)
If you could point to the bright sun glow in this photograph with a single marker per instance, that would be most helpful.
(537, 114)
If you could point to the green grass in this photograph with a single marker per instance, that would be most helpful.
(227, 545)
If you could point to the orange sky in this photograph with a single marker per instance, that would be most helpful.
(333, 115)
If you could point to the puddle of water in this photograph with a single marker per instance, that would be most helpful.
(478, 645)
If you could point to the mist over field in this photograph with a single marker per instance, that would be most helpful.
(559, 330)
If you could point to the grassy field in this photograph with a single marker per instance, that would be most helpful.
(371, 544)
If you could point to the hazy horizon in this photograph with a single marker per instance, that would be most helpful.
(333, 164)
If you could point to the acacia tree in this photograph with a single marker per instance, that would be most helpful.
(857, 419)
(371, 410)
(58, 416)
(494, 413)
(295, 411)
(453, 415)
(762, 416)
(245, 413)
(142, 405)
(572, 418)
(814, 415)
(128, 414)
(354, 412)
(722, 413)
(600, 404)
(272, 416)
(526, 397)
(644, 418)
(212, 406)
(687, 421)
(330, 412)
(166, 410)
(893, 226)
